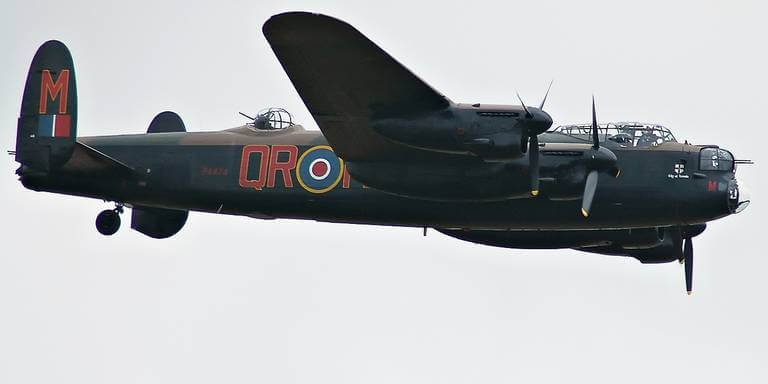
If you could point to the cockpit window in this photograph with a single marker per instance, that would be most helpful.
(624, 133)
(715, 159)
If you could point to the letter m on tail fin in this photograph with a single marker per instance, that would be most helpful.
(58, 89)
(47, 125)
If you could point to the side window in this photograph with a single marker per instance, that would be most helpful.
(715, 159)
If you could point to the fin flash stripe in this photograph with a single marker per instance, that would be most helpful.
(54, 126)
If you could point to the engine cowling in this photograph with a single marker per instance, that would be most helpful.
(492, 132)
(624, 239)
(478, 153)
(668, 249)
(648, 245)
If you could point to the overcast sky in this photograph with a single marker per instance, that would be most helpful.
(238, 300)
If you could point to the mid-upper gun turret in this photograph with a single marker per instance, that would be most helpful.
(270, 119)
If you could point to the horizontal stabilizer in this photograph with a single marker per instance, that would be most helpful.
(158, 223)
(166, 122)
(89, 160)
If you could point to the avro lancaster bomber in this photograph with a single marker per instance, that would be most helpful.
(392, 151)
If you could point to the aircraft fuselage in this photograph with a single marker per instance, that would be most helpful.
(294, 174)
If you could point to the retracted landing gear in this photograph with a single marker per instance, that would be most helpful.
(108, 221)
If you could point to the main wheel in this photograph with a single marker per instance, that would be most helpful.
(108, 222)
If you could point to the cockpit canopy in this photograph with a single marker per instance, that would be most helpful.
(271, 119)
(627, 134)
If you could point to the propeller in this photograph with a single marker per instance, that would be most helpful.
(687, 233)
(533, 164)
(595, 138)
(544, 100)
(590, 186)
(526, 134)
(528, 114)
(530, 142)
(688, 260)
(598, 159)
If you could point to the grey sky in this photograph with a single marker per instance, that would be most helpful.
(239, 300)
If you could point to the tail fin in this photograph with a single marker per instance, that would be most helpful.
(166, 122)
(47, 126)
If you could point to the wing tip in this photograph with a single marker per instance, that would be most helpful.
(297, 17)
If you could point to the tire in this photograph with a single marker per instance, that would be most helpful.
(108, 222)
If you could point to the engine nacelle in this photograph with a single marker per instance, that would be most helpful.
(624, 239)
(668, 249)
(643, 238)
(492, 132)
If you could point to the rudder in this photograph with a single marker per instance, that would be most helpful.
(47, 125)
(165, 122)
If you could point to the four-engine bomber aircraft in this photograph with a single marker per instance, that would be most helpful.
(393, 151)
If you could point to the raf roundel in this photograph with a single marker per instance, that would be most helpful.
(319, 170)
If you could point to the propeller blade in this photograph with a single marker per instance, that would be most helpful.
(527, 114)
(589, 192)
(595, 138)
(688, 257)
(533, 166)
(541, 106)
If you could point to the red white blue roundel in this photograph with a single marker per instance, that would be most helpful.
(319, 170)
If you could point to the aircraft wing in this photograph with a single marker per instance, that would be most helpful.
(347, 82)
